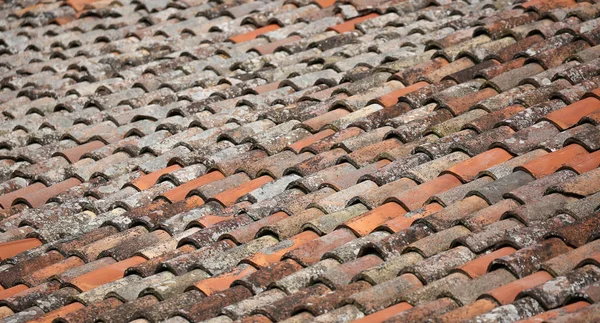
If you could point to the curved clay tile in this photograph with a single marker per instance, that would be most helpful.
(265, 259)
(13, 248)
(325, 3)
(468, 311)
(479, 266)
(43, 274)
(6, 293)
(551, 162)
(105, 274)
(365, 223)
(7, 200)
(229, 197)
(392, 97)
(385, 313)
(351, 24)
(246, 233)
(180, 192)
(547, 316)
(51, 316)
(222, 282)
(253, 34)
(570, 115)
(400, 223)
(42, 196)
(271, 47)
(147, 181)
(302, 143)
(470, 168)
(74, 154)
(506, 294)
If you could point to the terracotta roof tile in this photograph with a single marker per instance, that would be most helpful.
(392, 97)
(74, 154)
(468, 169)
(253, 34)
(386, 313)
(366, 222)
(350, 24)
(49, 317)
(415, 197)
(13, 248)
(570, 115)
(42, 196)
(104, 275)
(264, 259)
(149, 180)
(555, 313)
(468, 311)
(528, 265)
(507, 293)
(7, 200)
(301, 160)
(179, 193)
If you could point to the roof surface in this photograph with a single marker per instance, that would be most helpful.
(299, 160)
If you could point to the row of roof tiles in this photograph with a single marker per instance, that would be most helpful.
(442, 164)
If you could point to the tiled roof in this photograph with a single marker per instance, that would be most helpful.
(299, 160)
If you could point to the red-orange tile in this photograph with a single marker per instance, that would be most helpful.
(325, 3)
(229, 197)
(549, 163)
(468, 169)
(58, 268)
(351, 24)
(401, 222)
(13, 248)
(392, 97)
(74, 154)
(221, 282)
(51, 316)
(147, 181)
(467, 312)
(384, 314)
(548, 5)
(593, 117)
(318, 122)
(571, 114)
(40, 197)
(585, 162)
(179, 193)
(298, 145)
(415, 197)
(7, 200)
(257, 318)
(12, 291)
(312, 251)
(253, 34)
(478, 266)
(506, 294)
(80, 5)
(105, 275)
(210, 220)
(365, 223)
(262, 259)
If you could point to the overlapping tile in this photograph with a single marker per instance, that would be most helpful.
(262, 161)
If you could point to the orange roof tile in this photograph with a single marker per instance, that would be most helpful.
(253, 34)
